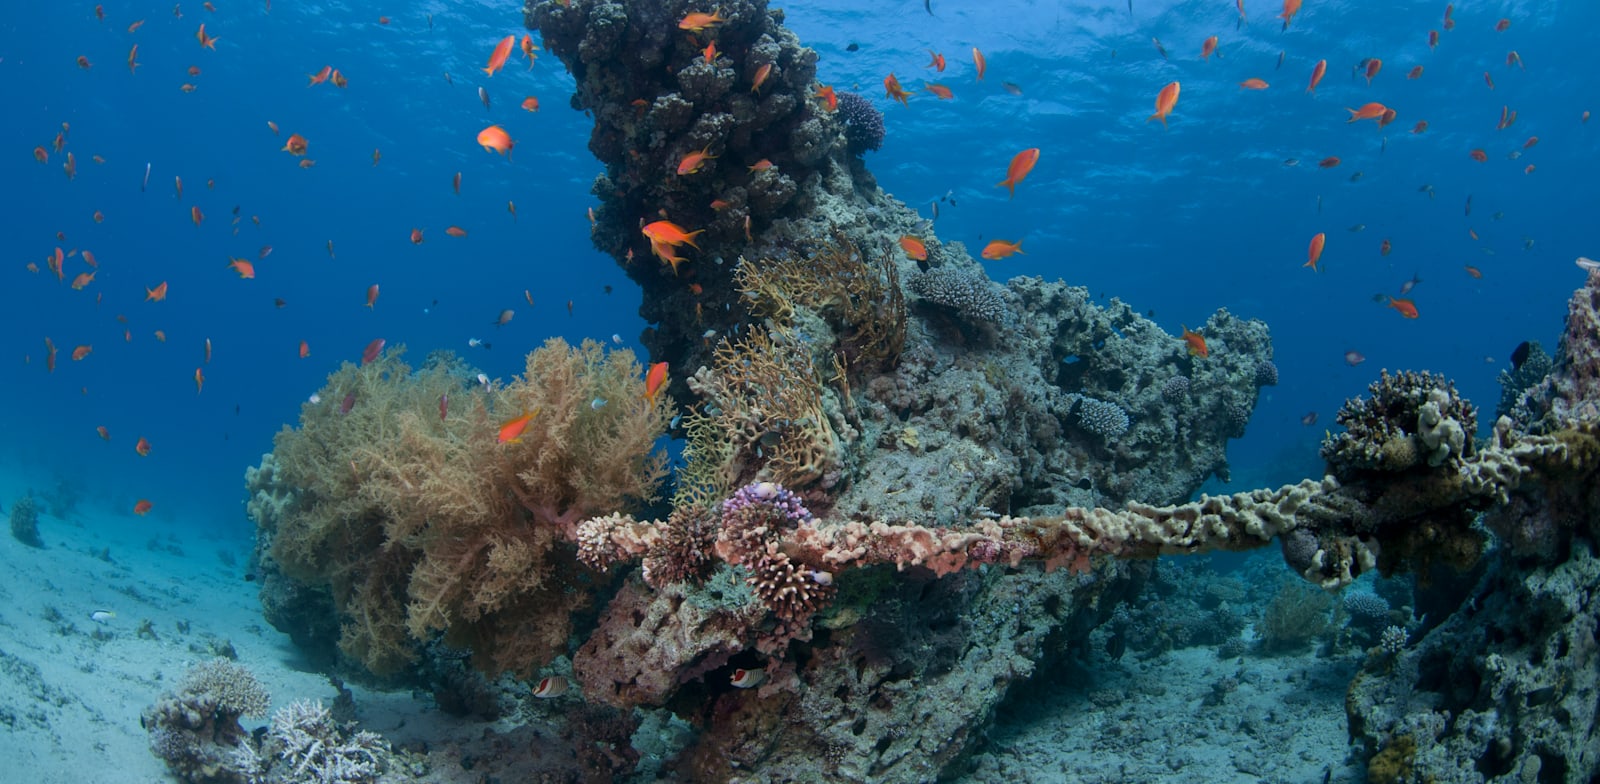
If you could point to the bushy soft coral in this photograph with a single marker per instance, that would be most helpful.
(422, 523)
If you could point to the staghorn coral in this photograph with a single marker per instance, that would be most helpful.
(305, 745)
(420, 523)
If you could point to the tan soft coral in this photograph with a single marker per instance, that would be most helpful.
(421, 522)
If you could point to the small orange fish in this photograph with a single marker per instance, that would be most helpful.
(530, 103)
(320, 76)
(511, 207)
(694, 161)
(1501, 25)
(83, 279)
(654, 379)
(142, 446)
(495, 139)
(528, 49)
(1473, 271)
(133, 53)
(416, 236)
(892, 88)
(829, 98)
(502, 50)
(88, 258)
(83, 62)
(105, 435)
(372, 295)
(40, 154)
(273, 126)
(373, 351)
(186, 87)
(1196, 343)
(1422, 125)
(1489, 80)
(914, 247)
(1254, 84)
(709, 54)
(1528, 169)
(697, 22)
(669, 233)
(156, 294)
(305, 349)
(1165, 101)
(1314, 253)
(1329, 162)
(937, 63)
(1415, 72)
(208, 351)
(1479, 155)
(1406, 307)
(99, 217)
(940, 90)
(511, 431)
(339, 79)
(1512, 58)
(81, 351)
(1374, 65)
(999, 249)
(161, 336)
(456, 231)
(761, 77)
(70, 167)
(528, 295)
(979, 63)
(196, 215)
(135, 26)
(199, 381)
(1384, 247)
(204, 39)
(760, 166)
(142, 507)
(296, 144)
(1021, 164)
(245, 269)
(1290, 8)
(1368, 111)
(1208, 47)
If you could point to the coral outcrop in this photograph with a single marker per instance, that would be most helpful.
(196, 729)
(25, 522)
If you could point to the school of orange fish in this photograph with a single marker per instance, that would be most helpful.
(665, 237)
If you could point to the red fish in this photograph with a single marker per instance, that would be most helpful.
(829, 98)
(1254, 84)
(81, 351)
(1165, 101)
(1502, 25)
(142, 446)
(1368, 111)
(373, 349)
(1473, 271)
(1329, 162)
(1207, 47)
(296, 144)
(698, 22)
(1023, 162)
(105, 435)
(892, 88)
(761, 77)
(978, 62)
(511, 431)
(1415, 72)
(416, 236)
(245, 269)
(156, 294)
(937, 64)
(654, 379)
(372, 295)
(495, 139)
(1384, 247)
(142, 507)
(694, 161)
(1314, 252)
(320, 76)
(1373, 66)
(305, 349)
(1479, 155)
(502, 50)
(199, 381)
(1433, 39)
(999, 249)
(1196, 343)
(1406, 307)
(940, 90)
(1290, 8)
(196, 215)
(530, 103)
(914, 248)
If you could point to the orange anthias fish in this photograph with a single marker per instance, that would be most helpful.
(528, 49)
(1021, 164)
(1254, 84)
(81, 351)
(654, 379)
(1373, 66)
(669, 233)
(373, 350)
(372, 295)
(142, 446)
(999, 249)
(1314, 253)
(1208, 47)
(105, 435)
(1290, 8)
(1368, 111)
(1165, 101)
(940, 90)
(320, 76)
(455, 183)
(416, 236)
(1196, 343)
(530, 103)
(296, 144)
(937, 64)
(1415, 72)
(892, 88)
(495, 139)
(829, 98)
(245, 269)
(196, 215)
(761, 77)
(156, 294)
(698, 22)
(1406, 307)
(455, 231)
(83, 279)
(1479, 155)
(199, 381)
(50, 355)
(208, 351)
(142, 507)
(205, 40)
(979, 63)
(694, 161)
(502, 50)
(914, 247)
(305, 349)
(511, 432)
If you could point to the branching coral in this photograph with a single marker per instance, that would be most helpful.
(197, 731)
(764, 395)
(420, 520)
(1410, 419)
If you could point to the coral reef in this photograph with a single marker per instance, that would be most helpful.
(1411, 418)
(196, 729)
(306, 745)
(1295, 617)
(25, 522)
(402, 506)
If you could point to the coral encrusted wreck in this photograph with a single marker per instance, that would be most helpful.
(903, 486)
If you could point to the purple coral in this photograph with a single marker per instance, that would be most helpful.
(758, 500)
(863, 123)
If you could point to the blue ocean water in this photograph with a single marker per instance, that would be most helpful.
(1177, 221)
